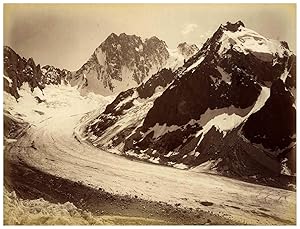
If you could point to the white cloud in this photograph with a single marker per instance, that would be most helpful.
(188, 28)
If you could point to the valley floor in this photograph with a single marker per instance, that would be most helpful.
(57, 153)
(48, 161)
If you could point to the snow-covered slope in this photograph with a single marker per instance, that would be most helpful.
(55, 101)
(212, 111)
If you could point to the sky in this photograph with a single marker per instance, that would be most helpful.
(65, 35)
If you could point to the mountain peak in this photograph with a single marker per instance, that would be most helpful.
(233, 27)
(120, 62)
(154, 38)
(9, 51)
(112, 35)
(185, 44)
(187, 50)
(7, 48)
(235, 37)
(182, 44)
(127, 35)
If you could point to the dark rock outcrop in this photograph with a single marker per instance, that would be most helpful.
(18, 70)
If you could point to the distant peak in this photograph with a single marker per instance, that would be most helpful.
(122, 36)
(47, 67)
(182, 44)
(185, 44)
(8, 49)
(112, 35)
(154, 38)
(285, 44)
(31, 61)
(186, 49)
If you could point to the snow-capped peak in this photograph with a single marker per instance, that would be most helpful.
(247, 41)
(187, 50)
(176, 59)
(182, 53)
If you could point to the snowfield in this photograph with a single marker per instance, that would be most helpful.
(57, 152)
(246, 40)
(59, 101)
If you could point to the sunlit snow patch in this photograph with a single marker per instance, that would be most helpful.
(225, 122)
(246, 40)
(194, 65)
(8, 79)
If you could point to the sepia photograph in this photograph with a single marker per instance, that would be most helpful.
(149, 114)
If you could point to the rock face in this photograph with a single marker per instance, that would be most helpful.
(187, 50)
(126, 112)
(229, 109)
(121, 62)
(56, 76)
(124, 61)
(18, 70)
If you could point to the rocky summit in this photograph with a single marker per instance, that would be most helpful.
(124, 61)
(187, 50)
(18, 71)
(121, 62)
